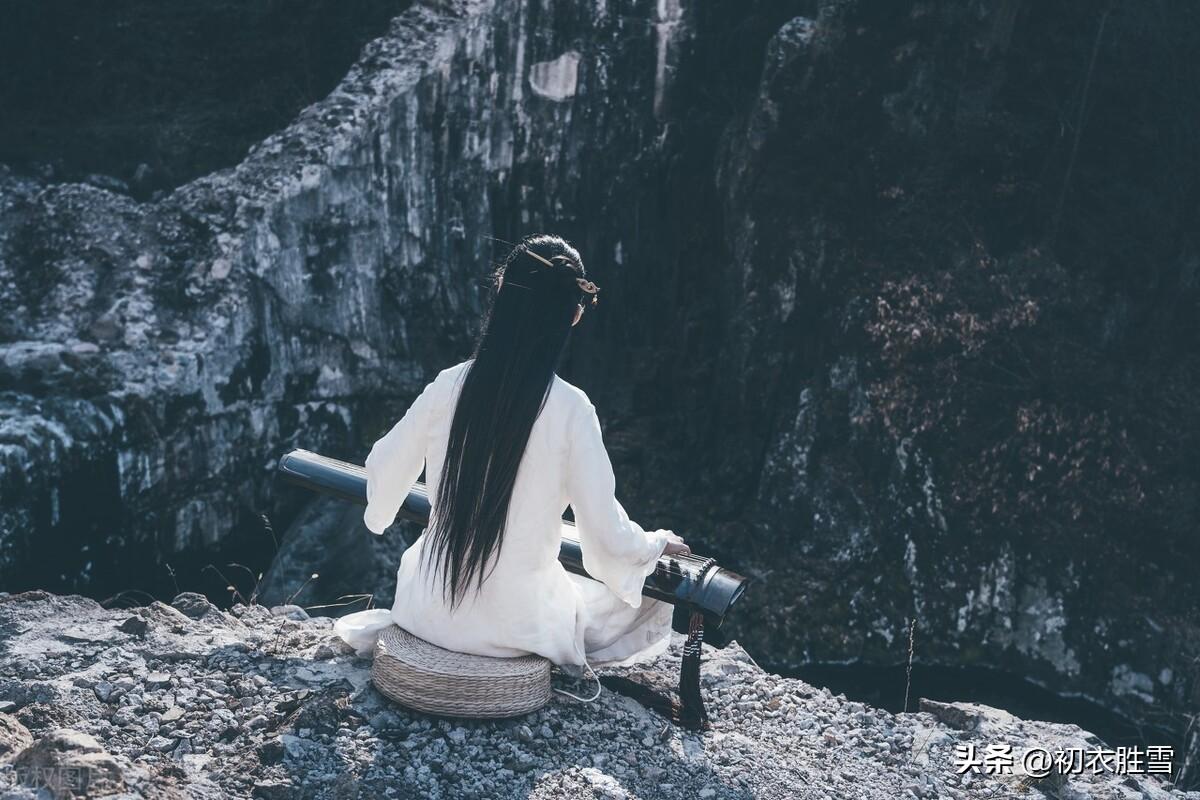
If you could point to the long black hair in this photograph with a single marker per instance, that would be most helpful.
(537, 290)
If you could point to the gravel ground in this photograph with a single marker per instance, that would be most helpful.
(185, 700)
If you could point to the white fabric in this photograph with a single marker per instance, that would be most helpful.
(529, 603)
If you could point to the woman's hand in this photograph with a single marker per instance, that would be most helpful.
(676, 546)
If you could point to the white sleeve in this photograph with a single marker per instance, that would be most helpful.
(395, 463)
(616, 550)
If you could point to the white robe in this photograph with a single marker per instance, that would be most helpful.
(529, 603)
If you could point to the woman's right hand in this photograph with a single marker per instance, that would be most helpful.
(676, 546)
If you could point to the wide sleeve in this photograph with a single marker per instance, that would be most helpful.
(616, 550)
(395, 463)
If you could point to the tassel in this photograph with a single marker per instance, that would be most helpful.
(692, 714)
(688, 710)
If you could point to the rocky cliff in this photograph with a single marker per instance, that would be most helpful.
(912, 283)
(184, 700)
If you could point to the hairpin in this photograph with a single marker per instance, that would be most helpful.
(584, 284)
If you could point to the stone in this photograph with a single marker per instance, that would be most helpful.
(271, 751)
(289, 611)
(325, 652)
(960, 716)
(72, 763)
(322, 712)
(274, 790)
(158, 680)
(161, 743)
(293, 746)
(14, 737)
(193, 605)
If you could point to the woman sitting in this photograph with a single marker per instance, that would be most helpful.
(507, 445)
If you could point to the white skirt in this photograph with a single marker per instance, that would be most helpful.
(614, 633)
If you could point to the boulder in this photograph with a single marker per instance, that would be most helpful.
(71, 764)
(14, 737)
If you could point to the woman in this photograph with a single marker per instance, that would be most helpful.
(507, 446)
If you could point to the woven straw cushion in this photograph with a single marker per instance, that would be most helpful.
(428, 678)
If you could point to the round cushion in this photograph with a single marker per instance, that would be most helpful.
(428, 678)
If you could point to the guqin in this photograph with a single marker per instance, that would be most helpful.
(695, 582)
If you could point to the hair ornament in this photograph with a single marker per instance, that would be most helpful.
(590, 288)
(584, 284)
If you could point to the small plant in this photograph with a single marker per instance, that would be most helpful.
(229, 586)
(257, 581)
(118, 599)
(350, 599)
(294, 594)
(270, 529)
(912, 629)
(171, 572)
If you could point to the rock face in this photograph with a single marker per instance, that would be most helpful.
(975, 408)
(853, 266)
(185, 90)
(243, 703)
(299, 298)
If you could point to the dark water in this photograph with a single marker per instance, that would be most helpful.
(883, 687)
